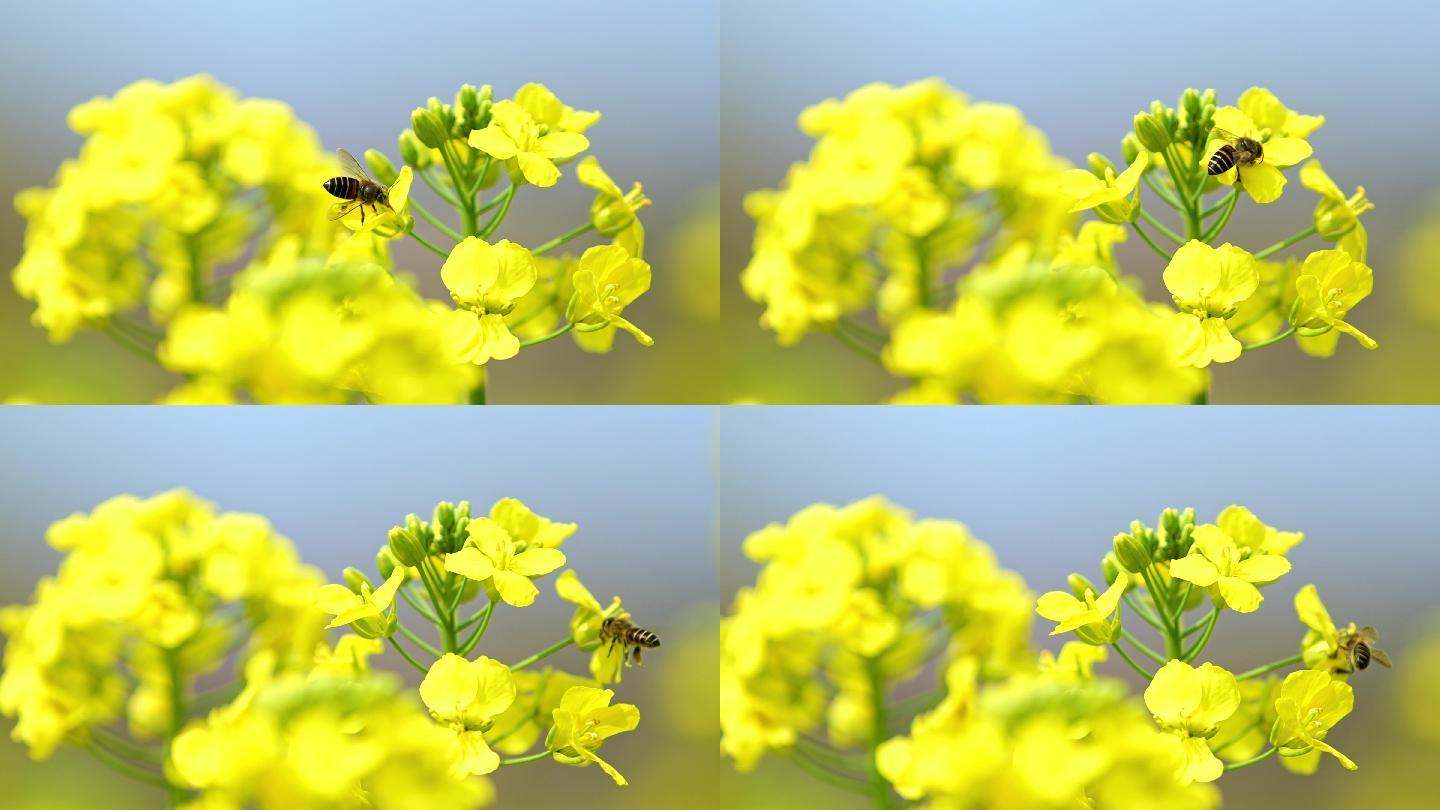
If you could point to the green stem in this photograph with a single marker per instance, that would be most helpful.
(1165, 196)
(417, 641)
(562, 239)
(128, 768)
(1161, 227)
(1281, 245)
(856, 344)
(545, 653)
(434, 220)
(535, 757)
(124, 746)
(842, 781)
(1140, 611)
(922, 273)
(1177, 619)
(479, 614)
(879, 731)
(478, 633)
(1250, 347)
(543, 338)
(417, 607)
(1219, 225)
(128, 343)
(1150, 242)
(1131, 661)
(405, 655)
(1195, 649)
(499, 215)
(437, 251)
(1142, 647)
(1270, 667)
(440, 191)
(178, 715)
(1235, 766)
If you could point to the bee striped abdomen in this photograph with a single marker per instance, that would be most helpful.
(1362, 655)
(346, 188)
(1222, 160)
(644, 638)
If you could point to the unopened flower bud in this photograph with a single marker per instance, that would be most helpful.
(1110, 568)
(1151, 133)
(412, 151)
(354, 578)
(385, 562)
(1098, 163)
(1080, 585)
(1130, 553)
(1129, 148)
(380, 166)
(406, 547)
(428, 128)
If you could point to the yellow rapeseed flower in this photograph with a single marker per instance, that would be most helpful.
(1330, 284)
(486, 281)
(1311, 702)
(584, 720)
(514, 135)
(1262, 118)
(1093, 618)
(1208, 285)
(465, 697)
(1114, 198)
(491, 554)
(1215, 560)
(608, 280)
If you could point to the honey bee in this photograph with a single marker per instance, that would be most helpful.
(631, 638)
(1357, 649)
(1237, 151)
(355, 189)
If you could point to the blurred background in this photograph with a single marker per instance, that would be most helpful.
(648, 65)
(1049, 493)
(335, 480)
(1080, 71)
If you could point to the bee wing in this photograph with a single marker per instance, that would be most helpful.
(352, 166)
(1378, 654)
(340, 209)
(1224, 134)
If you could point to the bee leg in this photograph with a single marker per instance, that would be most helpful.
(638, 662)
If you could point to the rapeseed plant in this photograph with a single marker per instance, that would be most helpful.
(939, 238)
(855, 608)
(156, 595)
(192, 229)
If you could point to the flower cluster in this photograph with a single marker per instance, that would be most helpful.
(853, 601)
(155, 594)
(938, 237)
(487, 707)
(1224, 721)
(193, 230)
(152, 595)
(852, 604)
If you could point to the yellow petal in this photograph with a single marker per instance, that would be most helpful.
(537, 562)
(1262, 568)
(1195, 568)
(561, 145)
(515, 589)
(1239, 595)
(538, 169)
(1263, 182)
(494, 142)
(468, 562)
(1283, 152)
